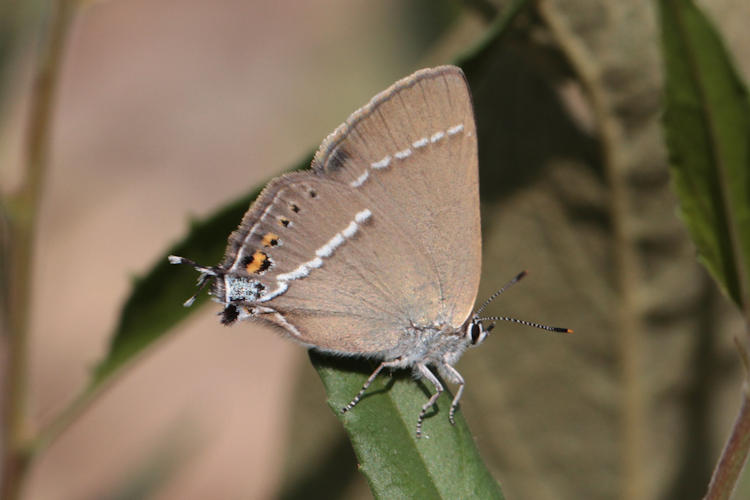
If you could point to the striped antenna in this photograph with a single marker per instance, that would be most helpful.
(527, 323)
(512, 282)
(505, 287)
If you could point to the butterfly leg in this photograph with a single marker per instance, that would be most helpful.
(426, 373)
(384, 364)
(452, 374)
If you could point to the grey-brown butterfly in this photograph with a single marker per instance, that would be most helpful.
(375, 251)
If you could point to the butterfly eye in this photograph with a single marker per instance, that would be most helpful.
(476, 332)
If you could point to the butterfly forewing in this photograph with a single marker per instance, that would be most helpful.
(412, 154)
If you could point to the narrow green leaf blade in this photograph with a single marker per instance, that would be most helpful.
(707, 126)
(444, 463)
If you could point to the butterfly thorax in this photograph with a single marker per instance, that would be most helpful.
(430, 345)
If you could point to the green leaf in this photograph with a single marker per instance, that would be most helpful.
(444, 463)
(707, 125)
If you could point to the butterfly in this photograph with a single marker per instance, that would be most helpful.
(376, 250)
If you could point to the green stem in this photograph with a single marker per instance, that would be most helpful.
(21, 213)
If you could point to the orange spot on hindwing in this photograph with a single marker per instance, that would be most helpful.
(257, 263)
(270, 240)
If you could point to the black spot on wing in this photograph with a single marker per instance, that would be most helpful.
(337, 160)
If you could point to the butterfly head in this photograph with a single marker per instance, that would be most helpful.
(475, 332)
